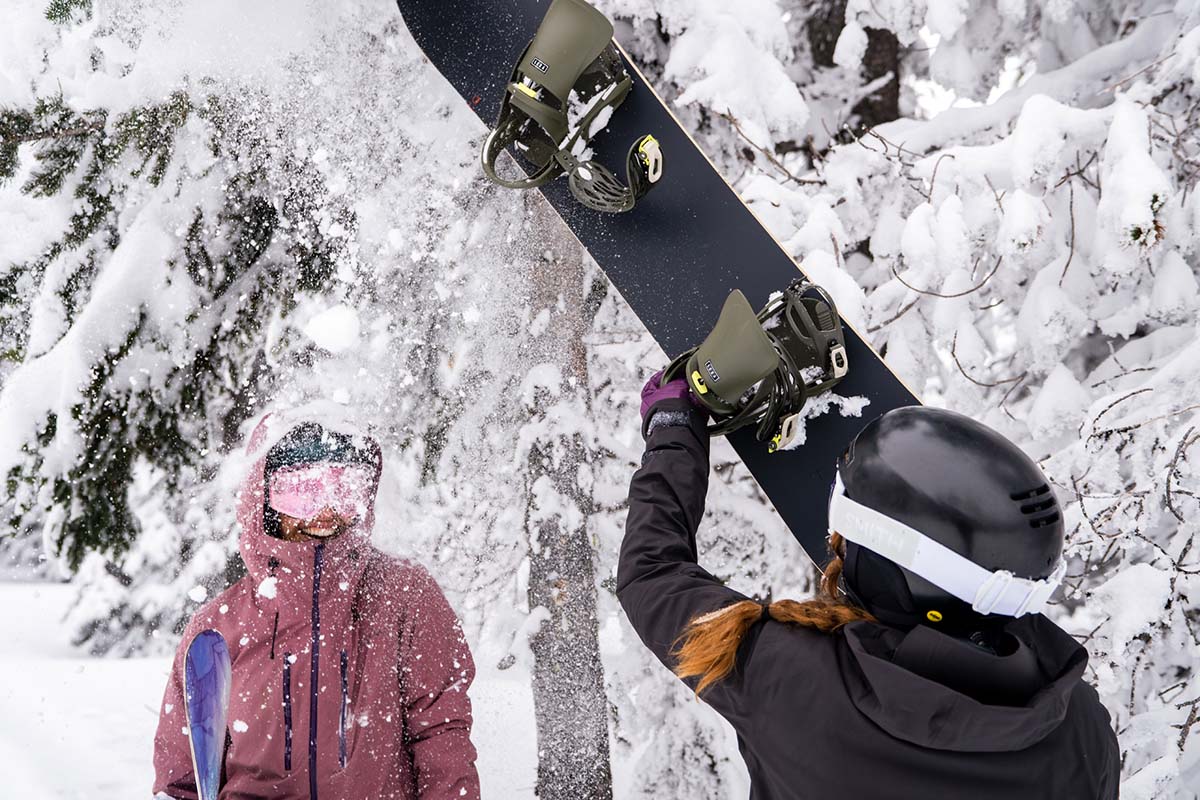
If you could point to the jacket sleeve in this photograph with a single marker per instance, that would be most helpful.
(436, 669)
(1110, 788)
(659, 583)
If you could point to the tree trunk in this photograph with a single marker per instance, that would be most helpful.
(568, 678)
(883, 55)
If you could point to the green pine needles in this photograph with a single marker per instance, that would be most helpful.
(66, 11)
(167, 377)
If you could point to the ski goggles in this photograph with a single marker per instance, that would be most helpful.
(988, 591)
(302, 491)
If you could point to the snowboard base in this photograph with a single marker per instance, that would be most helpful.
(677, 255)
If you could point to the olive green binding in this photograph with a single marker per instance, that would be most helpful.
(761, 368)
(732, 359)
(553, 121)
(571, 36)
(596, 187)
(571, 51)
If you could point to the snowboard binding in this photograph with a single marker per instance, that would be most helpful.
(563, 89)
(760, 369)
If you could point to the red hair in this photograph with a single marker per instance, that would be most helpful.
(708, 647)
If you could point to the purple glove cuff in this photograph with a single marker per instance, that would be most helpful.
(653, 393)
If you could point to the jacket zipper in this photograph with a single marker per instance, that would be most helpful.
(287, 712)
(315, 674)
(342, 716)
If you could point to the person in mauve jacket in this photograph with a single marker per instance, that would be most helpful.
(350, 670)
(923, 669)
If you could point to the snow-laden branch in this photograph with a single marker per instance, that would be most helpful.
(1083, 83)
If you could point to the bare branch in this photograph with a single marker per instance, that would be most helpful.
(1125, 80)
(932, 293)
(1071, 255)
(954, 355)
(1136, 425)
(933, 177)
(894, 317)
(769, 155)
(1173, 469)
(1115, 403)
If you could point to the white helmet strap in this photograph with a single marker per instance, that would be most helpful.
(988, 592)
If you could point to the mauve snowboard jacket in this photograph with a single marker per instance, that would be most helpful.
(350, 670)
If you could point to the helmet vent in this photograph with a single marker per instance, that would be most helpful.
(1039, 505)
(1031, 493)
(1042, 522)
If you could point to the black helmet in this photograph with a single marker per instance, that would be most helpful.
(308, 443)
(948, 497)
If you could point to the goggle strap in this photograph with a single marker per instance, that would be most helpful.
(988, 592)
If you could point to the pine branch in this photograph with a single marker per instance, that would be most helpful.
(63, 11)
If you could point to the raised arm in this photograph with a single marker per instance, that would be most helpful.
(659, 583)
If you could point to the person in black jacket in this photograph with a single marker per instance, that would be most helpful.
(924, 669)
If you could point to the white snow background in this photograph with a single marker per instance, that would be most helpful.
(1022, 245)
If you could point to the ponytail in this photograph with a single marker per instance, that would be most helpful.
(708, 647)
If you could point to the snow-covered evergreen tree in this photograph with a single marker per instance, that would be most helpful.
(159, 241)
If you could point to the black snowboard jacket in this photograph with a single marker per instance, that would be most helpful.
(868, 711)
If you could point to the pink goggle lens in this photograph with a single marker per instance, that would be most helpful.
(302, 492)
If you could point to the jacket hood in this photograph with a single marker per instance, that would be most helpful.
(937, 691)
(264, 553)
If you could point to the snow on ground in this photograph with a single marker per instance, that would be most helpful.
(98, 715)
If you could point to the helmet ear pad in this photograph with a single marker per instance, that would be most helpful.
(898, 597)
(879, 586)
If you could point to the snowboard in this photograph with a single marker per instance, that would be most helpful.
(207, 677)
(676, 256)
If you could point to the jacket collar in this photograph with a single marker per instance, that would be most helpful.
(940, 692)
